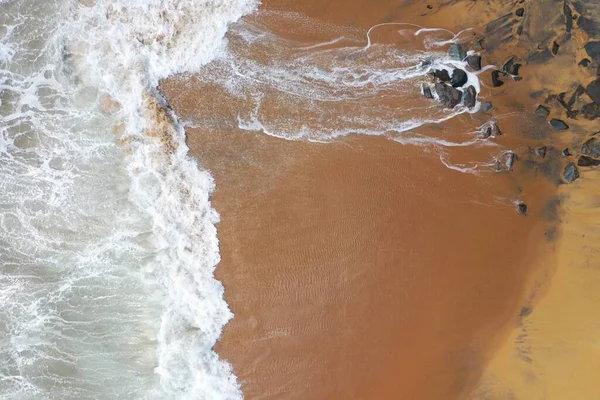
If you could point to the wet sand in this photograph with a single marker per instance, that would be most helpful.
(366, 269)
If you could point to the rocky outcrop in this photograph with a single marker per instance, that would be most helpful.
(571, 173)
(593, 90)
(591, 148)
(470, 97)
(459, 77)
(448, 95)
(457, 52)
(474, 61)
(585, 161)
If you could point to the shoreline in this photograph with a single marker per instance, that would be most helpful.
(262, 181)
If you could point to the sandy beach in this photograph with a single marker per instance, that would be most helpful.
(366, 268)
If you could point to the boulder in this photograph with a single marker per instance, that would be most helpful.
(591, 148)
(496, 82)
(495, 129)
(555, 47)
(442, 75)
(568, 17)
(470, 97)
(459, 77)
(585, 161)
(575, 96)
(520, 12)
(593, 50)
(593, 90)
(426, 90)
(510, 67)
(542, 111)
(522, 208)
(487, 106)
(457, 52)
(571, 173)
(565, 153)
(558, 124)
(474, 61)
(448, 95)
(584, 63)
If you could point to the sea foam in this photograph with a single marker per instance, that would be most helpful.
(109, 241)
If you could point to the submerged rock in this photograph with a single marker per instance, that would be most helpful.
(474, 61)
(457, 52)
(590, 111)
(511, 159)
(593, 90)
(426, 90)
(593, 50)
(470, 97)
(541, 151)
(558, 124)
(448, 95)
(585, 161)
(571, 173)
(591, 148)
(442, 75)
(542, 111)
(487, 106)
(496, 80)
(459, 77)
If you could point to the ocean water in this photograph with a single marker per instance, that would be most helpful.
(108, 240)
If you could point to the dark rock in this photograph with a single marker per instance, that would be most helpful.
(558, 125)
(542, 111)
(565, 153)
(520, 12)
(487, 106)
(495, 129)
(425, 63)
(520, 30)
(457, 52)
(459, 77)
(555, 47)
(568, 17)
(584, 63)
(442, 75)
(593, 50)
(522, 208)
(590, 111)
(578, 92)
(426, 90)
(585, 161)
(448, 95)
(561, 99)
(429, 7)
(474, 61)
(541, 151)
(571, 173)
(470, 97)
(593, 90)
(496, 80)
(591, 148)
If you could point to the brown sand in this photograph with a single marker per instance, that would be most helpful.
(365, 269)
